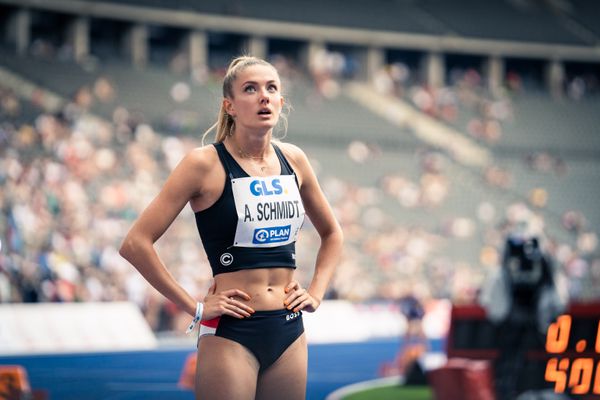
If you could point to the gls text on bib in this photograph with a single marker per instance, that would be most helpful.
(270, 210)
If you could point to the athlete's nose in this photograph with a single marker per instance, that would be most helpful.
(264, 99)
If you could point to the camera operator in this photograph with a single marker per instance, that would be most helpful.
(522, 300)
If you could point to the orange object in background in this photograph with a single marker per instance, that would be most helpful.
(409, 356)
(14, 383)
(405, 358)
(187, 379)
(463, 379)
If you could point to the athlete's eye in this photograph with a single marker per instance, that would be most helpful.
(250, 89)
(272, 88)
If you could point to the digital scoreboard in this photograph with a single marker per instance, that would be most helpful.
(574, 346)
(566, 358)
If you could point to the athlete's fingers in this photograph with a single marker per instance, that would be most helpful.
(241, 305)
(292, 285)
(232, 314)
(225, 308)
(291, 289)
(303, 305)
(306, 303)
(225, 303)
(236, 311)
(236, 292)
(293, 296)
(298, 297)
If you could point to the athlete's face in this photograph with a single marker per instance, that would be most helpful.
(256, 102)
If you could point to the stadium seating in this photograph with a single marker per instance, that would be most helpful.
(445, 218)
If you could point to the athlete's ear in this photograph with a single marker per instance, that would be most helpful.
(228, 107)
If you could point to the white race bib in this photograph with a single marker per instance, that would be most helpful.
(270, 210)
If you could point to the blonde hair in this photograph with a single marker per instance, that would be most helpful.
(225, 124)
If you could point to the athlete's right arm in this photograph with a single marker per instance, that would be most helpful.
(193, 178)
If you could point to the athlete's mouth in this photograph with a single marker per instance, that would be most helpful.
(264, 111)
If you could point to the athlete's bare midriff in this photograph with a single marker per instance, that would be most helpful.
(265, 286)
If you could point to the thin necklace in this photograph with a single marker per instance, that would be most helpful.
(245, 154)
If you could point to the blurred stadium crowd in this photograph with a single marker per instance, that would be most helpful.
(72, 181)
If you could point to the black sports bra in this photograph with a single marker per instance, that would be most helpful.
(255, 221)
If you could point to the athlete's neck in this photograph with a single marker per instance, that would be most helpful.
(255, 147)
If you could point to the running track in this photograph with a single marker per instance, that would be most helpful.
(153, 375)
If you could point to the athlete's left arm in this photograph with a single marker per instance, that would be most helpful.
(321, 215)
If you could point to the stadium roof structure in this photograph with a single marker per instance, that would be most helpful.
(528, 29)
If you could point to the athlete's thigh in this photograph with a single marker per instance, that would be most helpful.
(225, 370)
(286, 378)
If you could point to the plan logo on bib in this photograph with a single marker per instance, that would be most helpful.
(273, 234)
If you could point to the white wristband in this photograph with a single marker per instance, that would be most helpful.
(197, 317)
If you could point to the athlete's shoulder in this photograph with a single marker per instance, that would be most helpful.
(292, 152)
(204, 157)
